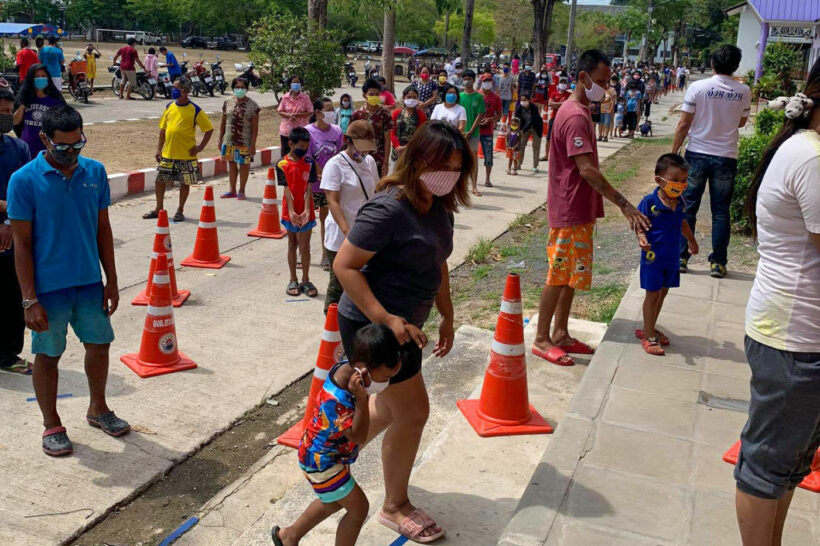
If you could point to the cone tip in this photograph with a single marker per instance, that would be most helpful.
(209, 193)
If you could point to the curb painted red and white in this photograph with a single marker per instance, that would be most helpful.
(141, 181)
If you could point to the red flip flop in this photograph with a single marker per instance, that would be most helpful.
(579, 348)
(556, 355)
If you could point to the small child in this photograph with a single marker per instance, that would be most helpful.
(514, 146)
(619, 119)
(660, 246)
(340, 422)
(646, 128)
(296, 173)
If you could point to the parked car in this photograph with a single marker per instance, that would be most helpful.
(195, 41)
(221, 43)
(144, 38)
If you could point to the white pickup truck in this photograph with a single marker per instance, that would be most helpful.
(143, 38)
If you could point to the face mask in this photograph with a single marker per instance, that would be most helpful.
(513, 127)
(544, 75)
(345, 104)
(525, 103)
(451, 98)
(175, 93)
(357, 156)
(330, 117)
(562, 87)
(411, 103)
(594, 93)
(442, 80)
(527, 68)
(674, 189)
(296, 87)
(299, 152)
(373, 101)
(6, 123)
(425, 77)
(486, 85)
(41, 83)
(506, 70)
(374, 387)
(459, 71)
(440, 182)
(240, 92)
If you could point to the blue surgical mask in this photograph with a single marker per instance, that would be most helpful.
(175, 93)
(240, 92)
(296, 87)
(40, 83)
(451, 98)
(506, 71)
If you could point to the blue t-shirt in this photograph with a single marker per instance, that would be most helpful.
(13, 155)
(665, 233)
(53, 58)
(633, 98)
(64, 215)
(172, 65)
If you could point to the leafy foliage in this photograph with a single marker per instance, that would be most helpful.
(7, 57)
(779, 62)
(283, 45)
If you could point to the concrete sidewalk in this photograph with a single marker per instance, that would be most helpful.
(637, 457)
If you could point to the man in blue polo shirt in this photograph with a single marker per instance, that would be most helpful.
(171, 63)
(58, 205)
(14, 153)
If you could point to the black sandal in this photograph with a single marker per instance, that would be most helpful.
(274, 534)
(178, 217)
(293, 289)
(56, 442)
(150, 215)
(308, 289)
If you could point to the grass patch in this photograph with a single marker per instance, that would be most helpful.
(480, 251)
(520, 221)
(481, 272)
(617, 176)
(664, 118)
(602, 269)
(603, 301)
(510, 251)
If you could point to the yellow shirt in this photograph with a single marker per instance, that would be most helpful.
(180, 129)
(90, 65)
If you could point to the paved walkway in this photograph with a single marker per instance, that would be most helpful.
(637, 457)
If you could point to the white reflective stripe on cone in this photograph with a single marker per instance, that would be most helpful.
(207, 225)
(508, 350)
(331, 337)
(168, 255)
(320, 374)
(163, 230)
(161, 278)
(511, 307)
(270, 182)
(270, 201)
(160, 311)
(207, 203)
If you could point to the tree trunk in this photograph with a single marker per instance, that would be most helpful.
(548, 25)
(539, 43)
(389, 42)
(317, 13)
(446, 31)
(466, 48)
(626, 46)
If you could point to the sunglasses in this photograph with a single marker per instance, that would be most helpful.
(65, 147)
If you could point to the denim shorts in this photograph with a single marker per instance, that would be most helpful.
(606, 120)
(783, 429)
(80, 306)
(486, 142)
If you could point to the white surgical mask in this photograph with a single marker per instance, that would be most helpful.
(594, 93)
(330, 117)
(525, 103)
(562, 87)
(487, 85)
(458, 71)
(375, 387)
(411, 103)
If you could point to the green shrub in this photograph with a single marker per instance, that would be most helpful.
(768, 122)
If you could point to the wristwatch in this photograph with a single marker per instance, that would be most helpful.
(29, 303)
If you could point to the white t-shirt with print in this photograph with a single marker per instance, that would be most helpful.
(719, 103)
(784, 307)
(452, 115)
(339, 174)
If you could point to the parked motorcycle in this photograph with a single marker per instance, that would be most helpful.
(197, 85)
(219, 75)
(246, 71)
(77, 80)
(144, 86)
(352, 78)
(164, 85)
(204, 76)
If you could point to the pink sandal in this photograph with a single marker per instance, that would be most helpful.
(412, 526)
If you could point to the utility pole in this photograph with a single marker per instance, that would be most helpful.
(570, 34)
(645, 41)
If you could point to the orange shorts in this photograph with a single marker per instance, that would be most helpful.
(569, 250)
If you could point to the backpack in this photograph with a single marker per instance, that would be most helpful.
(197, 109)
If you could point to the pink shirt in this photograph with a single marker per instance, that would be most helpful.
(571, 201)
(151, 67)
(388, 99)
(515, 65)
(294, 105)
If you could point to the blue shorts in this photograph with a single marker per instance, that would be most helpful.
(606, 119)
(290, 226)
(80, 306)
(657, 276)
(486, 142)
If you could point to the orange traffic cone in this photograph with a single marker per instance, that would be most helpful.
(810, 482)
(206, 247)
(162, 245)
(504, 409)
(158, 349)
(328, 349)
(501, 139)
(269, 226)
(480, 152)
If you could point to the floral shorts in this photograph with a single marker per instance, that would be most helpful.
(179, 170)
(569, 251)
(237, 154)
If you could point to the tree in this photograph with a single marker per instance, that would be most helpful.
(31, 10)
(466, 49)
(594, 30)
(388, 44)
(317, 12)
(284, 45)
(539, 30)
(484, 30)
(508, 16)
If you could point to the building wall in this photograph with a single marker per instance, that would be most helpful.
(748, 35)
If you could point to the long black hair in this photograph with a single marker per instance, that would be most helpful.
(790, 127)
(27, 95)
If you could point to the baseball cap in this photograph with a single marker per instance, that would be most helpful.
(486, 77)
(362, 135)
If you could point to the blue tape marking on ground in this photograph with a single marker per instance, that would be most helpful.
(66, 395)
(297, 300)
(179, 531)
(399, 541)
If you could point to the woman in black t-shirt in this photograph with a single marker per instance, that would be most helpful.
(393, 267)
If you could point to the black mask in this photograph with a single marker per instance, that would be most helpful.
(300, 153)
(6, 123)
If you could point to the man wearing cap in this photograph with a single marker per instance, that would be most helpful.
(492, 113)
(348, 180)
